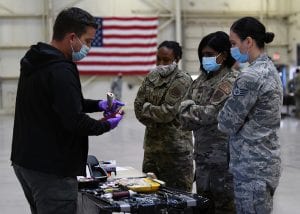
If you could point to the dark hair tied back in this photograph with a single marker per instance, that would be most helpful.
(251, 27)
(269, 37)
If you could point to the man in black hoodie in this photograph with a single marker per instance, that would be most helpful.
(51, 129)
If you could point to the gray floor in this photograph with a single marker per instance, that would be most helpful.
(124, 144)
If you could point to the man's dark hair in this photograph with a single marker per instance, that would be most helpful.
(218, 41)
(249, 26)
(174, 46)
(72, 20)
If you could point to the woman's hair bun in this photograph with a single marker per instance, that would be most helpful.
(269, 36)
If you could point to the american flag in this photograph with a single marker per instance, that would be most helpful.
(122, 45)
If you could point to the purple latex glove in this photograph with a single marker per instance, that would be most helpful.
(103, 106)
(114, 121)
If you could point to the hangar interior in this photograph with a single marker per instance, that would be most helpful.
(23, 23)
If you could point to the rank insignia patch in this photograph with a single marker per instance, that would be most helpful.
(239, 91)
(226, 87)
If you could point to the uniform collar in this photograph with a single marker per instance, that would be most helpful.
(262, 57)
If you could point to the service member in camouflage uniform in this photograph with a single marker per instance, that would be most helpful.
(297, 93)
(251, 116)
(199, 112)
(167, 149)
(116, 86)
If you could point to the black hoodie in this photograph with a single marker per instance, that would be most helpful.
(51, 129)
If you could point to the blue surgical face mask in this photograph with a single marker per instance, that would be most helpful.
(76, 56)
(238, 56)
(210, 64)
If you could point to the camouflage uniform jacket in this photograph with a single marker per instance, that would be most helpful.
(199, 113)
(251, 116)
(297, 85)
(156, 106)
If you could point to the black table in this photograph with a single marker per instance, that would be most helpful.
(165, 200)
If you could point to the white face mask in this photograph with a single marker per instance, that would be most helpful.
(84, 50)
(165, 70)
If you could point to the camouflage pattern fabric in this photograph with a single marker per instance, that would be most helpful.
(174, 168)
(156, 106)
(199, 112)
(251, 116)
(253, 197)
(217, 185)
(297, 95)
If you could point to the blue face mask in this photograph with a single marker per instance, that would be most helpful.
(210, 64)
(76, 56)
(238, 56)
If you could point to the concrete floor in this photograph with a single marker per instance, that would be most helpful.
(124, 144)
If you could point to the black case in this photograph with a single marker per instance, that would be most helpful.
(98, 174)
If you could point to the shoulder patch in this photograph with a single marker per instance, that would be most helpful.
(225, 87)
(237, 91)
(175, 92)
(217, 96)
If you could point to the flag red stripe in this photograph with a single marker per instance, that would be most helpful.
(123, 34)
(130, 45)
(130, 18)
(116, 63)
(113, 72)
(122, 54)
(131, 36)
(130, 27)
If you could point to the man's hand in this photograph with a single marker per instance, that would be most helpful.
(114, 121)
(104, 106)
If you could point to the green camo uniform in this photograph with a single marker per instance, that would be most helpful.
(167, 149)
(199, 112)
